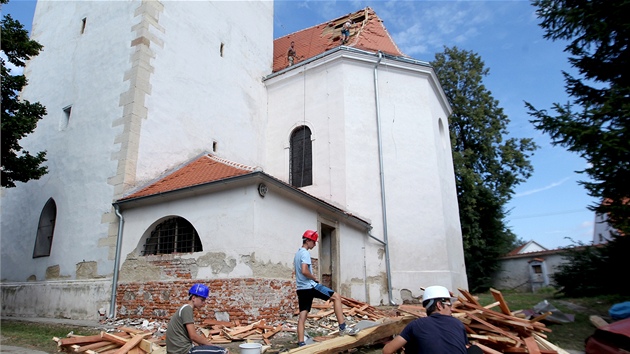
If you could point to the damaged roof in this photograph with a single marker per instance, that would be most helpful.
(205, 169)
(367, 33)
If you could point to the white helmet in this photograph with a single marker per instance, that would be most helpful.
(435, 292)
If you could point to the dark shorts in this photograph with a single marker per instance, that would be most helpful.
(345, 32)
(207, 349)
(306, 296)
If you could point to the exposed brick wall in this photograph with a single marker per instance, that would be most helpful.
(244, 299)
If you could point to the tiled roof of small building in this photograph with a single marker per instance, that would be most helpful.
(368, 33)
(205, 169)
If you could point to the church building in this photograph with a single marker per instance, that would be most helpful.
(186, 145)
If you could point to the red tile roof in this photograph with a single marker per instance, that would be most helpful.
(367, 33)
(206, 169)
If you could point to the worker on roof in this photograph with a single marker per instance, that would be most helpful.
(345, 31)
(291, 53)
(308, 288)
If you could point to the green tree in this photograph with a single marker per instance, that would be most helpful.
(19, 117)
(596, 123)
(487, 165)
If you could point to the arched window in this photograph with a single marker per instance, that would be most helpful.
(175, 235)
(45, 230)
(301, 160)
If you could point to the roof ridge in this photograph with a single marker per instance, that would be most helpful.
(233, 164)
(326, 22)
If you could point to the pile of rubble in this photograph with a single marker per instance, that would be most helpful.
(143, 336)
(493, 331)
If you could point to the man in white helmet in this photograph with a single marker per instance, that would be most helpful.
(438, 333)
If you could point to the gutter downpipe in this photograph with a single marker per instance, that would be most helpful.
(112, 301)
(382, 177)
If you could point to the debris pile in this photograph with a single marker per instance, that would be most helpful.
(502, 331)
(149, 337)
(494, 331)
(125, 340)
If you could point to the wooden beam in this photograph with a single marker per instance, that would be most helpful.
(502, 304)
(366, 336)
(131, 343)
(531, 345)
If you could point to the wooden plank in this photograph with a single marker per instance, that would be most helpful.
(498, 330)
(87, 347)
(597, 321)
(131, 343)
(469, 297)
(239, 330)
(272, 332)
(415, 310)
(502, 304)
(130, 330)
(531, 345)
(548, 344)
(103, 349)
(211, 322)
(494, 304)
(79, 340)
(494, 339)
(114, 338)
(540, 318)
(487, 350)
(366, 336)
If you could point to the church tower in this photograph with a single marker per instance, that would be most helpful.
(132, 89)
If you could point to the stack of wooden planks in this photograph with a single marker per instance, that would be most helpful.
(125, 340)
(500, 331)
(220, 332)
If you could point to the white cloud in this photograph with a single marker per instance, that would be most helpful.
(547, 187)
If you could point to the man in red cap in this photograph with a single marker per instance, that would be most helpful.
(308, 288)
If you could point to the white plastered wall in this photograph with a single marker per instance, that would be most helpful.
(207, 84)
(335, 97)
(86, 72)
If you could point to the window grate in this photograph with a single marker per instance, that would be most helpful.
(175, 235)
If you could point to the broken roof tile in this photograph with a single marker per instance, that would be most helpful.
(367, 33)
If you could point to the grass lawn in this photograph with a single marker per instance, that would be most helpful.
(37, 335)
(569, 335)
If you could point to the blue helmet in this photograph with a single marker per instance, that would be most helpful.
(199, 290)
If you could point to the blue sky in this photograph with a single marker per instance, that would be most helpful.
(548, 208)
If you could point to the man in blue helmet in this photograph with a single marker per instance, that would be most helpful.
(181, 332)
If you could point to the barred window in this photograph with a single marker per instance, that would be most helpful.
(301, 160)
(175, 235)
(45, 229)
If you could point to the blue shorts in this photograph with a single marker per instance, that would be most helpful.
(306, 296)
(345, 32)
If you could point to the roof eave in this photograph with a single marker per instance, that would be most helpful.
(231, 182)
(336, 53)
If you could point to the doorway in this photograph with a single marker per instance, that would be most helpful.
(329, 257)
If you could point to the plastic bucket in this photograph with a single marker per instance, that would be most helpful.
(250, 348)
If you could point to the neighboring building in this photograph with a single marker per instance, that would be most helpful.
(528, 268)
(182, 148)
(602, 229)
